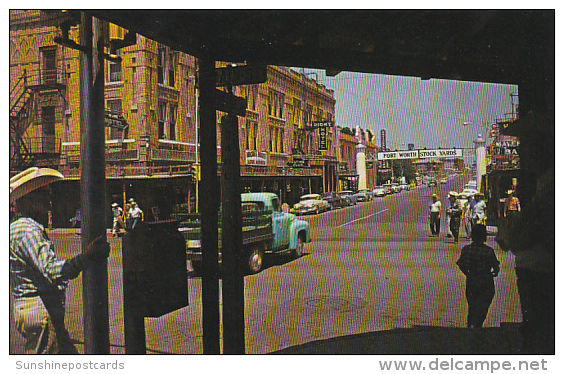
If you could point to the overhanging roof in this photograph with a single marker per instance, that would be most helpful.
(502, 46)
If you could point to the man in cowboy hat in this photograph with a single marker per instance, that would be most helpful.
(454, 211)
(118, 218)
(135, 214)
(39, 279)
(511, 207)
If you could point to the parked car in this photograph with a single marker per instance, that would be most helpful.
(266, 230)
(388, 188)
(443, 180)
(379, 191)
(369, 193)
(310, 203)
(362, 195)
(432, 183)
(349, 196)
(404, 187)
(335, 200)
(396, 187)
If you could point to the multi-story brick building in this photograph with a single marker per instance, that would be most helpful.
(151, 121)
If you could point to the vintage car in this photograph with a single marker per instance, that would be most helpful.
(311, 203)
(379, 191)
(335, 200)
(362, 195)
(349, 197)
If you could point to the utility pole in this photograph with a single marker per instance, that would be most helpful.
(93, 183)
(209, 190)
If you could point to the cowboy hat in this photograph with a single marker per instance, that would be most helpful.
(31, 179)
(509, 192)
(453, 193)
(114, 205)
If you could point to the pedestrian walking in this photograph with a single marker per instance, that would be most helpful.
(511, 207)
(118, 218)
(135, 214)
(454, 212)
(480, 265)
(38, 278)
(466, 219)
(435, 215)
(479, 210)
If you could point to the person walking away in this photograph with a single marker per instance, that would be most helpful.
(118, 218)
(479, 210)
(480, 265)
(135, 213)
(454, 212)
(38, 278)
(435, 215)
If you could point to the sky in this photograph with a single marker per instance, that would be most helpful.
(427, 113)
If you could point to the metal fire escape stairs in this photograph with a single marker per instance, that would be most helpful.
(21, 113)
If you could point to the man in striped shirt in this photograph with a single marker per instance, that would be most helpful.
(38, 278)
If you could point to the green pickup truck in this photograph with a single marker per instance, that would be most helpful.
(266, 231)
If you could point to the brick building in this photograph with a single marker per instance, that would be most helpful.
(151, 122)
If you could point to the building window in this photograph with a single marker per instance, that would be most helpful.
(114, 107)
(275, 104)
(307, 115)
(276, 139)
(252, 136)
(172, 125)
(49, 61)
(160, 65)
(162, 117)
(251, 94)
(114, 70)
(296, 112)
(172, 69)
(48, 120)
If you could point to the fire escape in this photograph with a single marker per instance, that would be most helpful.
(36, 100)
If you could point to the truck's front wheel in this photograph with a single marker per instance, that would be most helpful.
(299, 250)
(255, 260)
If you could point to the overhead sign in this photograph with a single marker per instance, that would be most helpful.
(322, 124)
(323, 138)
(240, 75)
(420, 153)
(397, 155)
(440, 153)
(298, 163)
(229, 103)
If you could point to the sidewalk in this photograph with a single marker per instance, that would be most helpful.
(420, 340)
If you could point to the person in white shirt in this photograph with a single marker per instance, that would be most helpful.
(118, 218)
(479, 210)
(435, 216)
(135, 214)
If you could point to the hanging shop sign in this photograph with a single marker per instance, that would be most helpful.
(323, 139)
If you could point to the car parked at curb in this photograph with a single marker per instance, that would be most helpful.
(335, 200)
(379, 191)
(362, 195)
(349, 196)
(310, 204)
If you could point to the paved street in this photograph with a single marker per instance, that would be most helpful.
(370, 267)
